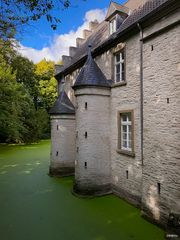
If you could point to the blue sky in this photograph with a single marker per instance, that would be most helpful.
(39, 40)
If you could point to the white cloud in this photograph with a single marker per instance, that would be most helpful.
(60, 43)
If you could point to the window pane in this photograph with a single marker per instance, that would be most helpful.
(129, 116)
(124, 136)
(122, 66)
(122, 55)
(117, 57)
(124, 117)
(118, 68)
(111, 28)
(126, 131)
(114, 25)
(124, 144)
(122, 76)
(117, 77)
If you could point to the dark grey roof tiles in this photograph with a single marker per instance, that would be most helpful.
(95, 39)
(62, 105)
(101, 36)
(141, 12)
(91, 74)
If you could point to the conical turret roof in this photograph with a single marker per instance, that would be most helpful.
(62, 105)
(91, 74)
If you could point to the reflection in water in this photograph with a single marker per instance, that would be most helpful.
(8, 166)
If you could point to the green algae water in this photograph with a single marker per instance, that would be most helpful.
(34, 206)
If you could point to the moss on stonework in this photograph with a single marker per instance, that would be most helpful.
(61, 171)
(91, 190)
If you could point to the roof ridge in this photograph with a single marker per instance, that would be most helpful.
(100, 36)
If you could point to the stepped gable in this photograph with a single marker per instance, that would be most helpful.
(100, 37)
(62, 105)
(91, 74)
(96, 39)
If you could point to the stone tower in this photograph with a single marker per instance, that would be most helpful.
(92, 164)
(63, 136)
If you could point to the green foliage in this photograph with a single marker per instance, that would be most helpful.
(25, 73)
(27, 91)
(15, 105)
(47, 83)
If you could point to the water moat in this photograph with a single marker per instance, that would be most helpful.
(34, 206)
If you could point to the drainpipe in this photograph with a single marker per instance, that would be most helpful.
(141, 89)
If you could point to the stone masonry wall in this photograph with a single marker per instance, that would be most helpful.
(161, 121)
(69, 82)
(161, 178)
(122, 98)
(92, 170)
(127, 97)
(63, 144)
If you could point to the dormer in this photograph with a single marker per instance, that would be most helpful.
(115, 16)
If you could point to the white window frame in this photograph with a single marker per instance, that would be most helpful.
(112, 26)
(121, 64)
(128, 125)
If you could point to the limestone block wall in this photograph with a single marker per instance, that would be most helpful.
(162, 23)
(92, 168)
(127, 97)
(62, 144)
(161, 178)
(104, 62)
(69, 82)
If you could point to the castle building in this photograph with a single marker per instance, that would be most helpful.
(116, 121)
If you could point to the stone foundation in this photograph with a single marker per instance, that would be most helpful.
(91, 190)
(125, 195)
(61, 171)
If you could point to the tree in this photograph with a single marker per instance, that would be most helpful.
(16, 106)
(15, 14)
(21, 119)
(25, 73)
(47, 83)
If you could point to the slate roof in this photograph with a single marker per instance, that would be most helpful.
(62, 105)
(101, 38)
(91, 74)
(95, 39)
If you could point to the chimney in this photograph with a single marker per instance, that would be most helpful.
(79, 42)
(72, 51)
(66, 59)
(93, 25)
(86, 33)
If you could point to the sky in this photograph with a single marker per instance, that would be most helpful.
(39, 41)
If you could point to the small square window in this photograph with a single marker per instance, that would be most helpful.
(125, 131)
